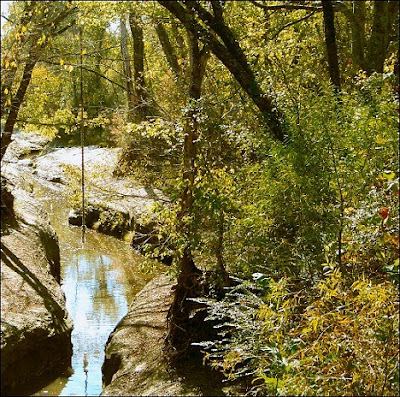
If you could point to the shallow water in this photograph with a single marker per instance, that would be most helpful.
(100, 279)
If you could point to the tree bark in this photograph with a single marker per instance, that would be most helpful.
(385, 13)
(358, 34)
(168, 50)
(188, 282)
(127, 68)
(142, 108)
(230, 54)
(376, 46)
(16, 104)
(330, 41)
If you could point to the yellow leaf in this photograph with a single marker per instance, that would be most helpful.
(314, 324)
(379, 140)
(61, 62)
(83, 52)
(6, 91)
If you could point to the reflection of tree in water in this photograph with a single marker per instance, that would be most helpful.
(106, 292)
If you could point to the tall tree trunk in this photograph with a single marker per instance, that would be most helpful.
(385, 15)
(376, 45)
(127, 68)
(142, 108)
(358, 34)
(330, 40)
(16, 104)
(168, 50)
(187, 286)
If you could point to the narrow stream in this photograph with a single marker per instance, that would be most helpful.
(100, 279)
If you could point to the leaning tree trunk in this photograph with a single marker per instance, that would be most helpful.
(16, 105)
(213, 30)
(169, 52)
(330, 40)
(179, 333)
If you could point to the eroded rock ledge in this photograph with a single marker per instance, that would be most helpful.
(134, 363)
(35, 326)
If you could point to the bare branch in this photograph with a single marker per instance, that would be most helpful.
(286, 6)
(88, 70)
(290, 24)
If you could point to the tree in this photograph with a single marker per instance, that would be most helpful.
(213, 30)
(169, 51)
(140, 102)
(385, 15)
(188, 281)
(330, 40)
(47, 19)
(127, 67)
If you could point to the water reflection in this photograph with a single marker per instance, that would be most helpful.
(99, 279)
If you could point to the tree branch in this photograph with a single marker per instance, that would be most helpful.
(286, 6)
(291, 23)
(88, 70)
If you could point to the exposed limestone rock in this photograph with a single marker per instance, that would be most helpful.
(23, 146)
(114, 206)
(134, 363)
(35, 327)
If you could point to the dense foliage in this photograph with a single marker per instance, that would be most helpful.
(294, 195)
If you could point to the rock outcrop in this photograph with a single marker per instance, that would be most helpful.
(133, 350)
(115, 206)
(35, 326)
(135, 361)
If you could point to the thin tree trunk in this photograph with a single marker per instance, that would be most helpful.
(140, 94)
(190, 151)
(168, 50)
(187, 286)
(16, 105)
(330, 40)
(127, 68)
(220, 250)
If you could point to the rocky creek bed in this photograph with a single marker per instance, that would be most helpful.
(134, 363)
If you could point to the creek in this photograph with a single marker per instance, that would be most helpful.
(99, 278)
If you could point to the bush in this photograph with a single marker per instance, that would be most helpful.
(336, 339)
